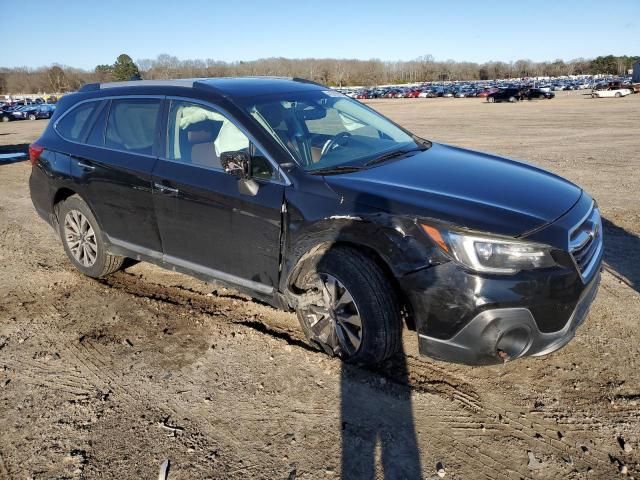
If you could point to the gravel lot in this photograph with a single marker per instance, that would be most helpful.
(107, 379)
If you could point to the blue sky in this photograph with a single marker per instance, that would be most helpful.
(84, 33)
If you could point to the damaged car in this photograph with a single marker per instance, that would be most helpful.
(317, 204)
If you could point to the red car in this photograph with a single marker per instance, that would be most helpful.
(412, 94)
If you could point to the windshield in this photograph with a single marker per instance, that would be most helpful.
(325, 129)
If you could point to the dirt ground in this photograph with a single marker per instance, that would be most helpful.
(107, 379)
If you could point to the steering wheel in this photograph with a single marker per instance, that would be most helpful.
(338, 140)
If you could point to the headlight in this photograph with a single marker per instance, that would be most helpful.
(490, 254)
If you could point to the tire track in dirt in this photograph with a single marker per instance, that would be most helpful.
(538, 434)
(424, 377)
(88, 358)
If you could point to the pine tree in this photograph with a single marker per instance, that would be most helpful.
(125, 69)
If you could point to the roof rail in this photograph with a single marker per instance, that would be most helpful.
(90, 87)
(304, 80)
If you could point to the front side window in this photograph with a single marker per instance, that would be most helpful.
(74, 125)
(132, 125)
(198, 135)
(324, 129)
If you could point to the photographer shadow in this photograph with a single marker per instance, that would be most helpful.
(378, 415)
(621, 254)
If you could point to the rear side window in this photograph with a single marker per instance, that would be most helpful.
(132, 125)
(96, 134)
(73, 126)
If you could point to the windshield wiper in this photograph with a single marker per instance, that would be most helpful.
(336, 169)
(389, 156)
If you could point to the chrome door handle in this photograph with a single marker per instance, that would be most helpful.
(86, 166)
(166, 190)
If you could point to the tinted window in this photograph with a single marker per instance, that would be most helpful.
(132, 125)
(74, 125)
(198, 135)
(96, 134)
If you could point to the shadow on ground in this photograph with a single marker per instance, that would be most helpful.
(378, 415)
(622, 254)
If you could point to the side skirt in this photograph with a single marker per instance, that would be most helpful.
(254, 289)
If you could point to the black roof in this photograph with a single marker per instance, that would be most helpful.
(228, 86)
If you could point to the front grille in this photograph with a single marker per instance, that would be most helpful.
(585, 243)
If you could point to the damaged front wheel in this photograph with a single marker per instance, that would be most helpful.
(350, 309)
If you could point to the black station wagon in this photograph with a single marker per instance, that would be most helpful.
(315, 203)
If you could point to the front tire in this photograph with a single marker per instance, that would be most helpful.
(354, 314)
(491, 100)
(82, 239)
(31, 116)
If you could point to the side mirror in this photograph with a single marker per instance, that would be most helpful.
(237, 164)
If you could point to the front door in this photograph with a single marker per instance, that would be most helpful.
(206, 224)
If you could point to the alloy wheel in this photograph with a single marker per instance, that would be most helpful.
(80, 238)
(333, 319)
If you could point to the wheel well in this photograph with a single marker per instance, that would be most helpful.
(306, 261)
(60, 196)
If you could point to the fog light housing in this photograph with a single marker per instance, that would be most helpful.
(513, 343)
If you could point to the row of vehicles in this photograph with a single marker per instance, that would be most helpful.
(518, 89)
(491, 94)
(35, 111)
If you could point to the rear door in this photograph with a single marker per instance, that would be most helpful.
(111, 165)
(206, 223)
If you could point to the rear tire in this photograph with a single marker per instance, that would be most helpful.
(31, 116)
(491, 100)
(618, 94)
(361, 280)
(82, 239)
(512, 99)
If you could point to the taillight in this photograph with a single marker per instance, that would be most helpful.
(35, 151)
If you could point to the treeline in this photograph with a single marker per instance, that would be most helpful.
(337, 72)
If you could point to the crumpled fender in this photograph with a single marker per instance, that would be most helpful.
(313, 225)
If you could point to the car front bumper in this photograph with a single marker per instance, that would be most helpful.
(467, 318)
(502, 334)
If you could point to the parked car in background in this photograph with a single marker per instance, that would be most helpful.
(611, 92)
(427, 94)
(538, 93)
(505, 95)
(27, 112)
(6, 114)
(45, 110)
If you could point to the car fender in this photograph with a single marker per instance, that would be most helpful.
(394, 241)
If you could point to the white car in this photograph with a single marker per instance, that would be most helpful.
(614, 92)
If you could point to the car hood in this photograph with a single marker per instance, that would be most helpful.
(469, 189)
